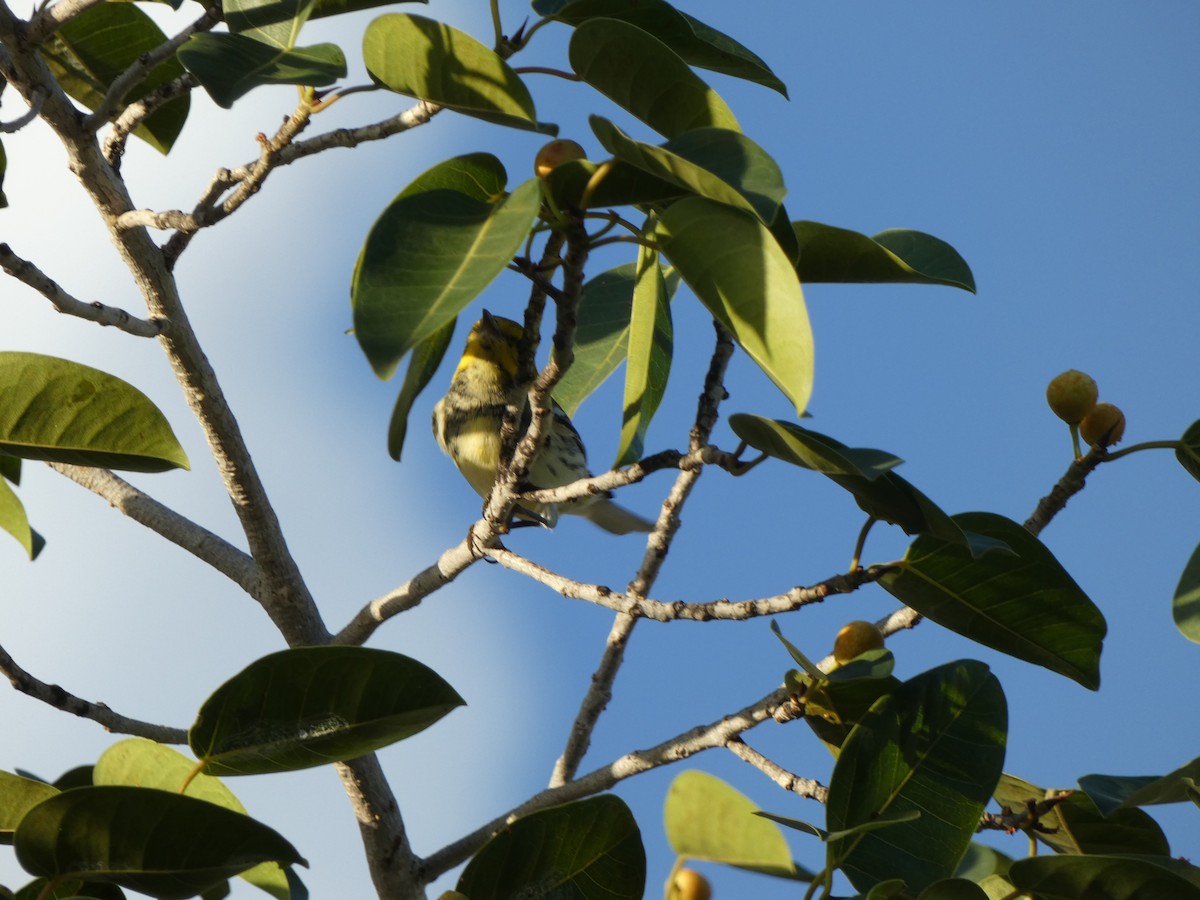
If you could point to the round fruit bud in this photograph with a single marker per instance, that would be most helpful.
(689, 884)
(554, 154)
(1103, 426)
(1072, 395)
(855, 639)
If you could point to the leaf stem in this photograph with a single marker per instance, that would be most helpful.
(546, 70)
(1145, 445)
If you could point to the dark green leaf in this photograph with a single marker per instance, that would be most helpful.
(136, 762)
(1189, 453)
(1076, 825)
(980, 861)
(602, 335)
(3, 169)
(589, 848)
(1071, 877)
(80, 776)
(1024, 605)
(430, 254)
(67, 889)
(1185, 606)
(231, 65)
(421, 58)
(1113, 791)
(426, 357)
(650, 346)
(10, 468)
(696, 43)
(156, 842)
(92, 49)
(338, 7)
(809, 449)
(54, 409)
(274, 22)
(316, 705)
(935, 746)
(896, 256)
(705, 818)
(716, 163)
(953, 889)
(13, 518)
(17, 796)
(621, 185)
(645, 77)
(738, 271)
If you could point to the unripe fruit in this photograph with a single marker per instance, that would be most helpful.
(1103, 426)
(689, 884)
(855, 639)
(554, 154)
(1072, 395)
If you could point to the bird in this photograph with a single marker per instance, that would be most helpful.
(468, 419)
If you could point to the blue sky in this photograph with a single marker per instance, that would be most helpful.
(1053, 145)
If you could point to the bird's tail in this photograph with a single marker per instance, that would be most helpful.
(613, 518)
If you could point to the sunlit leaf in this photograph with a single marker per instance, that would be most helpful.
(54, 409)
(430, 253)
(426, 357)
(738, 271)
(231, 65)
(17, 796)
(338, 7)
(705, 818)
(316, 705)
(645, 77)
(137, 762)
(1185, 606)
(589, 848)
(716, 163)
(696, 43)
(809, 449)
(13, 518)
(156, 842)
(422, 58)
(649, 361)
(896, 256)
(934, 746)
(90, 50)
(1071, 877)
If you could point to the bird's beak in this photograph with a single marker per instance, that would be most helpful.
(489, 322)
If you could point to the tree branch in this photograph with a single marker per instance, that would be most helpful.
(51, 18)
(1068, 486)
(137, 112)
(806, 787)
(38, 98)
(28, 273)
(55, 696)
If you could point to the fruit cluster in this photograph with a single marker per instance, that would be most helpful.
(1072, 397)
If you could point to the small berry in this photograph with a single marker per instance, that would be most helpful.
(554, 154)
(1072, 395)
(689, 884)
(855, 639)
(1103, 426)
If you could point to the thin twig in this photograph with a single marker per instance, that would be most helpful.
(26, 272)
(137, 112)
(1068, 486)
(806, 787)
(55, 696)
(38, 97)
(1026, 818)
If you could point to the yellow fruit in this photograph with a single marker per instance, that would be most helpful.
(689, 884)
(554, 154)
(1103, 426)
(1072, 395)
(855, 639)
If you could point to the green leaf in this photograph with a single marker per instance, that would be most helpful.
(716, 163)
(57, 410)
(1076, 825)
(316, 705)
(645, 77)
(1185, 606)
(1189, 453)
(602, 334)
(696, 43)
(67, 889)
(17, 796)
(1111, 792)
(10, 468)
(430, 253)
(92, 49)
(834, 706)
(1024, 605)
(936, 746)
(953, 889)
(13, 518)
(809, 449)
(231, 65)
(421, 58)
(737, 269)
(705, 818)
(1072, 877)
(589, 848)
(981, 861)
(136, 762)
(426, 357)
(650, 346)
(3, 169)
(156, 842)
(896, 256)
(273, 22)
(323, 8)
